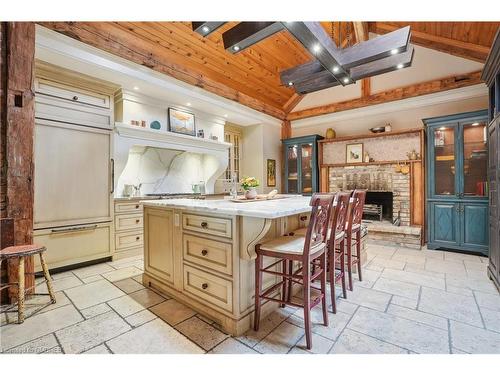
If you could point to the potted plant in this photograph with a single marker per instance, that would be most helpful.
(249, 184)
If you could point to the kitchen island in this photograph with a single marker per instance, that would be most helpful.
(201, 252)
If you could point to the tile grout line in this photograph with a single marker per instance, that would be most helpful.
(479, 310)
(449, 335)
(343, 329)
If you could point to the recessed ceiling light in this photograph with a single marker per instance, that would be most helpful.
(442, 128)
(188, 104)
(335, 69)
(399, 66)
(236, 48)
(136, 88)
(205, 29)
(346, 80)
(290, 83)
(394, 51)
(475, 123)
(316, 48)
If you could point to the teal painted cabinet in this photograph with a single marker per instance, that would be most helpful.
(457, 188)
(301, 164)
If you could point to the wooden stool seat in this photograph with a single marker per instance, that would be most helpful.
(20, 252)
(289, 245)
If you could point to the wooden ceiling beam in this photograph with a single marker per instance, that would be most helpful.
(142, 54)
(246, 34)
(400, 93)
(454, 47)
(360, 31)
(292, 102)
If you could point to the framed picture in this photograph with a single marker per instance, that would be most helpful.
(181, 122)
(271, 172)
(354, 153)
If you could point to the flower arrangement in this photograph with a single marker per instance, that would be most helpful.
(248, 183)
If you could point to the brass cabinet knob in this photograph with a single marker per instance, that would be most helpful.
(204, 252)
(137, 221)
(75, 98)
(136, 206)
(137, 238)
(204, 286)
(204, 224)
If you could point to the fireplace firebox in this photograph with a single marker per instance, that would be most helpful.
(378, 205)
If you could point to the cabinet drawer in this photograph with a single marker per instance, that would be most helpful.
(125, 240)
(128, 207)
(209, 288)
(128, 222)
(206, 224)
(207, 253)
(72, 94)
(72, 245)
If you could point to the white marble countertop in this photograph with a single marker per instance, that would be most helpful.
(270, 209)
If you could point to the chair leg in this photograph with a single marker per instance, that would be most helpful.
(290, 283)
(306, 279)
(20, 291)
(349, 260)
(284, 288)
(323, 288)
(258, 282)
(48, 279)
(331, 267)
(342, 269)
(358, 253)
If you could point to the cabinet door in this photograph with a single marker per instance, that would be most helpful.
(494, 233)
(474, 159)
(69, 159)
(474, 226)
(307, 166)
(292, 169)
(444, 223)
(442, 144)
(158, 243)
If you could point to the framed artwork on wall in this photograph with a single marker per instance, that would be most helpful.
(271, 172)
(181, 122)
(354, 153)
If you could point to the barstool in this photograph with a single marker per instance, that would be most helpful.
(305, 250)
(353, 231)
(20, 252)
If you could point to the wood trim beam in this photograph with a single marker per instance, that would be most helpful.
(246, 34)
(286, 129)
(366, 87)
(360, 31)
(454, 47)
(292, 102)
(19, 130)
(411, 91)
(141, 53)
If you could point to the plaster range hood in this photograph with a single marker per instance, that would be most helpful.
(164, 161)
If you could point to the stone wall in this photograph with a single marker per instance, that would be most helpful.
(375, 178)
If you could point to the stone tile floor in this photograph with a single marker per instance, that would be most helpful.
(409, 301)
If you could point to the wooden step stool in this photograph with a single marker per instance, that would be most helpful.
(20, 252)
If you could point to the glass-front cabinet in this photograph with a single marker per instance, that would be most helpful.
(301, 164)
(457, 188)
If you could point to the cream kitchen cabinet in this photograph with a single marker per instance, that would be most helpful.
(129, 234)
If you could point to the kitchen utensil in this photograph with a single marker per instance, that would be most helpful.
(128, 190)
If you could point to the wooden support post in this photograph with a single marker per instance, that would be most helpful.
(286, 130)
(18, 124)
(366, 87)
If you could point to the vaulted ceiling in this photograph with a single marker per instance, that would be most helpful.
(252, 77)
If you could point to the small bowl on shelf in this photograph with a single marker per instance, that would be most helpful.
(378, 129)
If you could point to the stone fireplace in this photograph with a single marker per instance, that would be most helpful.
(384, 185)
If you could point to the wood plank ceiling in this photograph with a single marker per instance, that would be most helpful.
(251, 77)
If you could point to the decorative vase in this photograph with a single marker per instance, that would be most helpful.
(330, 133)
(251, 193)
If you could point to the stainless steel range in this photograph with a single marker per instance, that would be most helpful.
(175, 195)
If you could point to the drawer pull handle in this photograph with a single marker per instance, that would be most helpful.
(204, 224)
(136, 206)
(303, 218)
(204, 286)
(137, 238)
(137, 221)
(74, 229)
(204, 252)
(75, 98)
